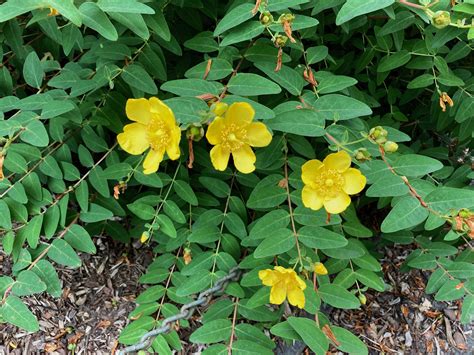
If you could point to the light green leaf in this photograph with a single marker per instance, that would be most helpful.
(48, 275)
(28, 283)
(354, 8)
(279, 242)
(286, 77)
(62, 253)
(416, 165)
(125, 6)
(406, 214)
(339, 107)
(338, 297)
(135, 76)
(247, 84)
(94, 17)
(445, 199)
(320, 238)
(33, 71)
(309, 331)
(80, 239)
(15, 312)
(185, 191)
(96, 213)
(303, 122)
(234, 17)
(212, 332)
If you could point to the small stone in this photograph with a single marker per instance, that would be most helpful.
(408, 339)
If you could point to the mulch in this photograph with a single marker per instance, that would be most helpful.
(98, 297)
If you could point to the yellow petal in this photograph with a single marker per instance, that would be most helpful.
(240, 113)
(244, 159)
(220, 157)
(337, 204)
(160, 109)
(268, 277)
(173, 151)
(152, 161)
(214, 131)
(138, 110)
(354, 181)
(278, 293)
(258, 135)
(320, 269)
(311, 199)
(134, 139)
(296, 296)
(340, 161)
(300, 282)
(309, 171)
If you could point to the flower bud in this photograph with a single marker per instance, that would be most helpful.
(320, 269)
(464, 213)
(145, 236)
(390, 147)
(187, 256)
(362, 154)
(266, 18)
(219, 108)
(381, 140)
(375, 132)
(441, 19)
(280, 40)
(286, 18)
(195, 133)
(362, 299)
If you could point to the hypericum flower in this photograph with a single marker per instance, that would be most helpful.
(235, 134)
(285, 283)
(445, 98)
(155, 128)
(329, 183)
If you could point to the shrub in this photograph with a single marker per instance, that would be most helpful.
(348, 124)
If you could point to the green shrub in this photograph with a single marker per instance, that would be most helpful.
(295, 91)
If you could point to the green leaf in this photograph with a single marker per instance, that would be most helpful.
(191, 87)
(244, 32)
(245, 347)
(421, 81)
(203, 42)
(234, 17)
(338, 297)
(5, 217)
(184, 191)
(370, 279)
(339, 107)
(267, 193)
(80, 239)
(465, 110)
(303, 122)
(279, 242)
(450, 291)
(219, 69)
(404, 19)
(62, 253)
(462, 270)
(467, 311)
(444, 199)
(333, 83)
(125, 6)
(265, 225)
(96, 213)
(416, 165)
(33, 71)
(348, 342)
(354, 8)
(316, 54)
(28, 283)
(308, 330)
(67, 9)
(388, 185)
(48, 275)
(138, 78)
(249, 332)
(15, 312)
(33, 229)
(94, 17)
(151, 294)
(276, 5)
(187, 109)
(247, 84)
(286, 77)
(394, 61)
(320, 238)
(212, 332)
(407, 213)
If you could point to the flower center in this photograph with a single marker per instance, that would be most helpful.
(158, 134)
(329, 183)
(233, 137)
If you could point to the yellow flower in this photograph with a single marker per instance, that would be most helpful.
(320, 269)
(155, 128)
(285, 283)
(329, 183)
(235, 133)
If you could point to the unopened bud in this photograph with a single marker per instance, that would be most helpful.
(320, 269)
(441, 19)
(362, 299)
(280, 40)
(195, 133)
(187, 256)
(219, 108)
(145, 236)
(362, 154)
(390, 147)
(375, 132)
(464, 213)
(286, 18)
(266, 18)
(381, 140)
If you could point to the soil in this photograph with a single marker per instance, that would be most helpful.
(98, 297)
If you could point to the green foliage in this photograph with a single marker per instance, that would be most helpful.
(351, 75)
